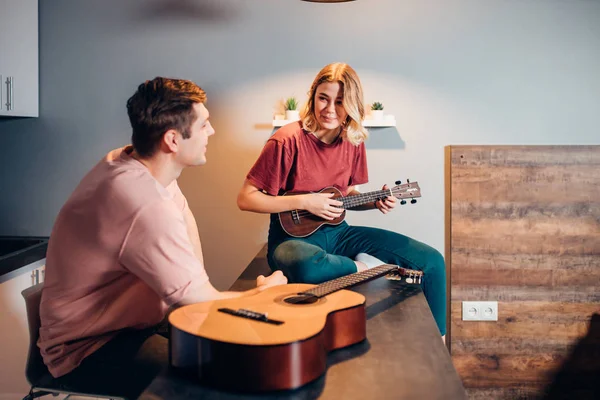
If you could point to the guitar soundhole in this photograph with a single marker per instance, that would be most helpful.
(301, 298)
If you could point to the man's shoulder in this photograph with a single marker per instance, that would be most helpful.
(119, 184)
(132, 187)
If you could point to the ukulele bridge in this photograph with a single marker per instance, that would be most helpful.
(296, 217)
(249, 314)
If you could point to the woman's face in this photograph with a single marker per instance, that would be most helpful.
(329, 110)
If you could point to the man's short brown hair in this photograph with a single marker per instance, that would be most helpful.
(159, 105)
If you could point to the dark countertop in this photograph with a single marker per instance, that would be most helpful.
(20, 254)
(402, 358)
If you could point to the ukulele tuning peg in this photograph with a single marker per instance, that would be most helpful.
(398, 182)
(402, 202)
(413, 201)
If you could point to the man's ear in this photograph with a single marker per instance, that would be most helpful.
(171, 140)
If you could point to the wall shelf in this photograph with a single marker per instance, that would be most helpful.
(387, 121)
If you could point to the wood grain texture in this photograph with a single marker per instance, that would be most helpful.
(524, 393)
(523, 229)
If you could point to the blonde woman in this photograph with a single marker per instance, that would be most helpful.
(326, 148)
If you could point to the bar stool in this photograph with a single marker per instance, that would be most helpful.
(41, 381)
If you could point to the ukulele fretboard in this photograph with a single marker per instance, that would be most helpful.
(364, 198)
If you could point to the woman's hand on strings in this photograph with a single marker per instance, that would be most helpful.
(322, 205)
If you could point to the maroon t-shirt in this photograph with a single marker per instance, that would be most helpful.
(294, 160)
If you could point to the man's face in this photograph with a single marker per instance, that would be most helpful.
(193, 149)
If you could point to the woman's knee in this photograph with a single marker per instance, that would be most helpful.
(435, 264)
(297, 259)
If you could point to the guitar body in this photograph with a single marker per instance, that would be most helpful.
(300, 223)
(244, 354)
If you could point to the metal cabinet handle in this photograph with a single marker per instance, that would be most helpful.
(35, 277)
(9, 93)
(12, 94)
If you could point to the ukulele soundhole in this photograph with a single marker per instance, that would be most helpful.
(301, 298)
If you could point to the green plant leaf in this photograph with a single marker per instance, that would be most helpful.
(291, 103)
(376, 106)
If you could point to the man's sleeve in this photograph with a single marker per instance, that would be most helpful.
(271, 170)
(158, 250)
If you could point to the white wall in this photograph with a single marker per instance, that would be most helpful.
(452, 72)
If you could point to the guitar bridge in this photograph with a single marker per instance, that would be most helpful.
(256, 316)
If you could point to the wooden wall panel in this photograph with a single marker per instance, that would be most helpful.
(523, 229)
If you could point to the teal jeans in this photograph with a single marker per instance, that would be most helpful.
(329, 253)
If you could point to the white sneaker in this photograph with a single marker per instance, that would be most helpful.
(368, 260)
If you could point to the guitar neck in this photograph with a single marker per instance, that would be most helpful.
(364, 198)
(350, 280)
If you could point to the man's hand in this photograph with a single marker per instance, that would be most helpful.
(275, 279)
(386, 205)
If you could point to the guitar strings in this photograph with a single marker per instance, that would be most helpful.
(348, 280)
(353, 279)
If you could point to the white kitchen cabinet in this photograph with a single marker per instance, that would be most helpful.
(19, 60)
(14, 333)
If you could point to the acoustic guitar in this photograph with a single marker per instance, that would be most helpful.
(275, 340)
(301, 223)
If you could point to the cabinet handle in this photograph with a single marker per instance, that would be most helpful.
(9, 93)
(35, 277)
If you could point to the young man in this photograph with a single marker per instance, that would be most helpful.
(125, 246)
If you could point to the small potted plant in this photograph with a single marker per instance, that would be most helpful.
(291, 109)
(377, 110)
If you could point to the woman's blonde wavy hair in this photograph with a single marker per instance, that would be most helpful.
(353, 130)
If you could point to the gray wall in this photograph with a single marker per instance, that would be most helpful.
(452, 72)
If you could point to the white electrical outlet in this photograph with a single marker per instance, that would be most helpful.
(480, 311)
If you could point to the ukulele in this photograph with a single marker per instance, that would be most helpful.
(275, 340)
(301, 223)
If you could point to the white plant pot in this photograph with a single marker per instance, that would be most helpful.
(292, 115)
(377, 114)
